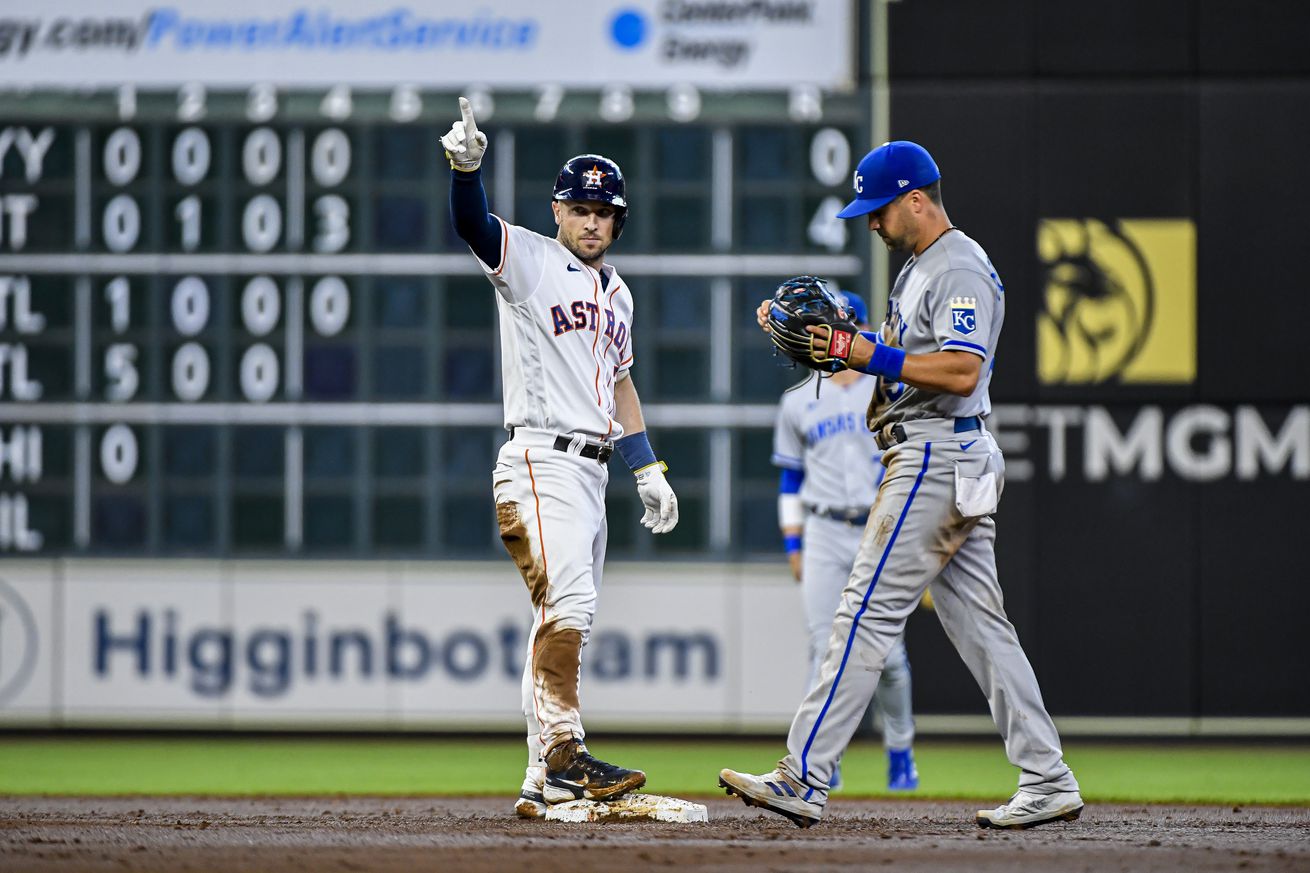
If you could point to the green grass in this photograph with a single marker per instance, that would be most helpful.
(1147, 773)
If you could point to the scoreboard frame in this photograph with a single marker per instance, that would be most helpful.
(242, 298)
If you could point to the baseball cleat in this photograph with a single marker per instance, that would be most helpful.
(901, 772)
(774, 792)
(573, 774)
(1026, 810)
(531, 803)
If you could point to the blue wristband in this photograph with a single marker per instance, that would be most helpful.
(792, 543)
(886, 361)
(789, 482)
(636, 450)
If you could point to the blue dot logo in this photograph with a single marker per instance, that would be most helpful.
(628, 28)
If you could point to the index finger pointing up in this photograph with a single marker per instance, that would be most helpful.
(470, 126)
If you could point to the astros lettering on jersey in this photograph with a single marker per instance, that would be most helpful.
(564, 340)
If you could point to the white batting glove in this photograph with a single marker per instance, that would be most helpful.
(464, 143)
(658, 498)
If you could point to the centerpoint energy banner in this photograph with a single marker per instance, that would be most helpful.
(653, 43)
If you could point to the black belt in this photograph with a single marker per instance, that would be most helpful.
(895, 435)
(853, 517)
(592, 450)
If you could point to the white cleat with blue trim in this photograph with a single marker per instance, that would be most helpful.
(775, 792)
(1026, 810)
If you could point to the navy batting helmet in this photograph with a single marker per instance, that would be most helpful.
(594, 177)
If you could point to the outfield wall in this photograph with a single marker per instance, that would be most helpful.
(383, 645)
(318, 645)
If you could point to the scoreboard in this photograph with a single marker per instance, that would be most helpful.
(236, 322)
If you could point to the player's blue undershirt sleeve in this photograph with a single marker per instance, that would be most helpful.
(789, 481)
(471, 218)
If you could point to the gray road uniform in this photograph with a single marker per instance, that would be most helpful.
(931, 525)
(827, 439)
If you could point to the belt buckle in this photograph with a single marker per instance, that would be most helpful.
(890, 435)
(584, 447)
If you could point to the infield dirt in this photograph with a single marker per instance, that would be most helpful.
(480, 834)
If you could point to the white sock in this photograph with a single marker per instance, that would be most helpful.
(535, 750)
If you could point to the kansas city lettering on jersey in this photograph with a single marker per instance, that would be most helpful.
(585, 315)
(896, 323)
(846, 422)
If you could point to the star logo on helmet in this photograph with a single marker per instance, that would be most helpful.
(593, 176)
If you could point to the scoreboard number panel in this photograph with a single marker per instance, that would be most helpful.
(236, 322)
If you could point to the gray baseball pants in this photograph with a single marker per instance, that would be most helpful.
(830, 550)
(930, 525)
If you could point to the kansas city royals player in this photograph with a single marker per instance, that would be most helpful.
(566, 351)
(931, 523)
(830, 474)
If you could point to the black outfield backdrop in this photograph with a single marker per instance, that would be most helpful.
(1138, 173)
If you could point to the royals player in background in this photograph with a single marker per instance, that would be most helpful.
(932, 521)
(831, 468)
(566, 352)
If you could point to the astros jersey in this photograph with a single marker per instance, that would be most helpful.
(564, 340)
(949, 298)
(827, 438)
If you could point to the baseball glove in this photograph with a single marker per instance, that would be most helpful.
(805, 301)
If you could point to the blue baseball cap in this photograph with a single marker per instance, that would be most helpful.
(857, 305)
(886, 173)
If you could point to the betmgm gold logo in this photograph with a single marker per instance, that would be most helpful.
(1119, 303)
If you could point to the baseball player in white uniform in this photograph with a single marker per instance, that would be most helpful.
(931, 523)
(566, 352)
(831, 468)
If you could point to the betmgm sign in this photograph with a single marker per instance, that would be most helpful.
(1119, 302)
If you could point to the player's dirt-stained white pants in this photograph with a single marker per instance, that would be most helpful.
(830, 549)
(917, 536)
(550, 506)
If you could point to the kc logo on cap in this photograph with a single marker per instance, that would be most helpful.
(886, 173)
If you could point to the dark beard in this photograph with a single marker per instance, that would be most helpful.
(893, 245)
(585, 258)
